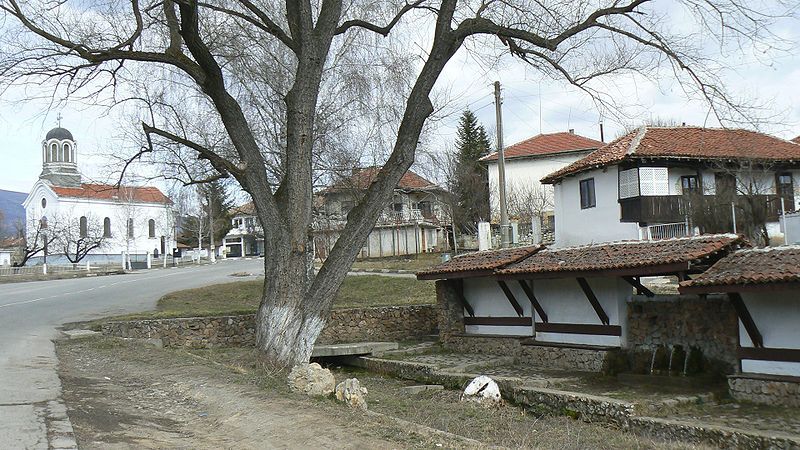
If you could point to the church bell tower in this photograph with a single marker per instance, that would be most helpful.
(59, 158)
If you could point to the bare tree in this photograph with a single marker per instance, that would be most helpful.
(37, 237)
(227, 66)
(77, 238)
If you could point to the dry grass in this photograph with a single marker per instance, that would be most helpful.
(406, 262)
(243, 297)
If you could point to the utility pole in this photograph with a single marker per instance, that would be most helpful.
(211, 253)
(505, 238)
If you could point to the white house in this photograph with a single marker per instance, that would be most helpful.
(657, 182)
(246, 237)
(132, 219)
(528, 161)
(416, 221)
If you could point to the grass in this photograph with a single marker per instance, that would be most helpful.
(405, 262)
(243, 297)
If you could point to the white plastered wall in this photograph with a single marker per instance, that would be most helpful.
(777, 316)
(488, 300)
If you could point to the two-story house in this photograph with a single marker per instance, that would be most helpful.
(526, 162)
(246, 237)
(661, 182)
(414, 222)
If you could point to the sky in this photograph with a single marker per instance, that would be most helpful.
(531, 105)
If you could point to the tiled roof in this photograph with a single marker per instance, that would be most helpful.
(248, 209)
(759, 266)
(796, 140)
(139, 194)
(612, 256)
(547, 144)
(684, 142)
(363, 178)
(11, 243)
(624, 255)
(485, 261)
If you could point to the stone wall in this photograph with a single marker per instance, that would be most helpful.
(709, 324)
(450, 310)
(344, 325)
(768, 390)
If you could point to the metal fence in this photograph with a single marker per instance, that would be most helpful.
(668, 231)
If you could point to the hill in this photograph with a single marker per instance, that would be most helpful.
(12, 210)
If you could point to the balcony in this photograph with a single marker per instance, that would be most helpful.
(675, 208)
(389, 218)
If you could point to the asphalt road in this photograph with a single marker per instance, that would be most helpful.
(32, 414)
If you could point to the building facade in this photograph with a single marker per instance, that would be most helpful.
(136, 220)
(664, 182)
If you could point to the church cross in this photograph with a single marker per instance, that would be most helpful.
(58, 117)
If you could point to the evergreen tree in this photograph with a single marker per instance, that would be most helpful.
(470, 179)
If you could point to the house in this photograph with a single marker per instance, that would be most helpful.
(246, 237)
(414, 222)
(9, 249)
(528, 161)
(570, 301)
(133, 219)
(764, 287)
(660, 182)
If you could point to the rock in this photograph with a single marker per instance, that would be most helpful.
(482, 390)
(311, 379)
(350, 392)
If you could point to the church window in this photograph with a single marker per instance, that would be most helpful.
(151, 228)
(53, 153)
(67, 153)
(82, 224)
(106, 227)
(43, 223)
(44, 203)
(130, 228)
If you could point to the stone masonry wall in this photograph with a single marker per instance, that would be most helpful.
(707, 323)
(344, 325)
(767, 391)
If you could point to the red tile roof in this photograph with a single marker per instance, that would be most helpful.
(139, 194)
(625, 255)
(750, 267)
(485, 261)
(796, 140)
(633, 257)
(363, 178)
(547, 144)
(684, 142)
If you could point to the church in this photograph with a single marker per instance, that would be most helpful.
(104, 221)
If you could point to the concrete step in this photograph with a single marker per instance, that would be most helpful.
(352, 349)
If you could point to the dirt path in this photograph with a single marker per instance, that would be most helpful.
(121, 398)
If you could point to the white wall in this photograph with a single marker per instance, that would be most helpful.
(525, 173)
(576, 226)
(488, 300)
(777, 315)
(5, 258)
(563, 301)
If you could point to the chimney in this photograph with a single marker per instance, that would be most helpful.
(602, 137)
(572, 131)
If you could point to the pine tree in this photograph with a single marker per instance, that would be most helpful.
(470, 182)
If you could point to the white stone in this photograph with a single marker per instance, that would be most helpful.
(482, 390)
(311, 379)
(350, 392)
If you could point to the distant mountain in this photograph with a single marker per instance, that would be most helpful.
(12, 210)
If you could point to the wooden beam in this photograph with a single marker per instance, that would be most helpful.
(459, 288)
(578, 328)
(499, 321)
(534, 302)
(511, 299)
(640, 288)
(598, 308)
(769, 354)
(746, 318)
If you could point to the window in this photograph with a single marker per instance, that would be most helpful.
(398, 207)
(43, 223)
(106, 227)
(784, 187)
(130, 228)
(629, 183)
(689, 184)
(44, 203)
(67, 153)
(82, 225)
(151, 228)
(653, 181)
(587, 194)
(53, 156)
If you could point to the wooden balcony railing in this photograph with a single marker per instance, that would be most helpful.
(675, 208)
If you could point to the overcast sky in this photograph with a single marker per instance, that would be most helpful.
(531, 105)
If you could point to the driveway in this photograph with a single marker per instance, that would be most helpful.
(32, 414)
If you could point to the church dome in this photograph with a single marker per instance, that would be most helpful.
(59, 133)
